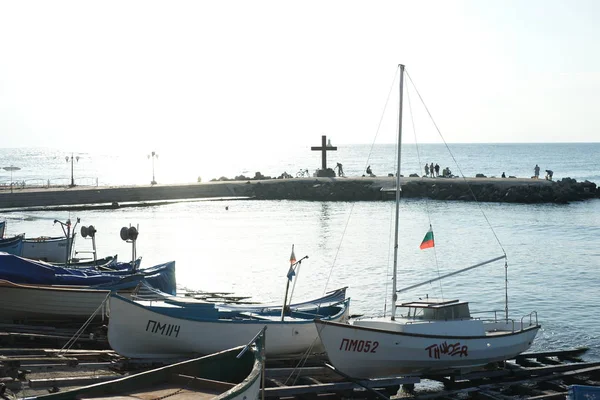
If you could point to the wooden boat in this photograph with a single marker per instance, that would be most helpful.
(23, 302)
(12, 245)
(170, 328)
(232, 374)
(21, 270)
(430, 336)
(104, 262)
(49, 249)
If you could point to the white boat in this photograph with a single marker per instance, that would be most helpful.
(430, 335)
(29, 302)
(49, 249)
(174, 328)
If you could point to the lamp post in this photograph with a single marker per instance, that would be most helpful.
(11, 177)
(153, 155)
(67, 160)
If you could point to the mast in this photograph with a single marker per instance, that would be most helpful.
(394, 284)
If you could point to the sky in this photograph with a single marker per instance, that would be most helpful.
(213, 75)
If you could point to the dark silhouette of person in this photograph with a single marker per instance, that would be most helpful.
(437, 170)
(503, 175)
(549, 174)
(369, 171)
(536, 171)
(340, 169)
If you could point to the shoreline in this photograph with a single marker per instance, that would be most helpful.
(514, 190)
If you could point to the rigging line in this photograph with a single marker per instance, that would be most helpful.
(388, 274)
(456, 163)
(338, 249)
(427, 208)
(387, 100)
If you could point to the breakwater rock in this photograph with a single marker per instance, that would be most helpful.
(468, 189)
(511, 190)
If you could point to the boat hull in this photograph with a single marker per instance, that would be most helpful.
(13, 245)
(49, 249)
(137, 331)
(363, 352)
(31, 302)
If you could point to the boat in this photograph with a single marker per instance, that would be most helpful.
(332, 297)
(107, 262)
(21, 270)
(169, 328)
(583, 392)
(232, 374)
(12, 245)
(50, 249)
(429, 335)
(30, 303)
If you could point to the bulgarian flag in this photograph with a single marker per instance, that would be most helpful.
(427, 240)
(291, 271)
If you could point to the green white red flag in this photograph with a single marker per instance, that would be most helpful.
(427, 240)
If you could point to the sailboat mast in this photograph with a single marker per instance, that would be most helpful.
(394, 278)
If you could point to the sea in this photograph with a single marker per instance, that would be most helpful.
(242, 247)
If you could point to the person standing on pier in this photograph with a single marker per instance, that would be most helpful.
(437, 170)
(536, 171)
(427, 169)
(340, 169)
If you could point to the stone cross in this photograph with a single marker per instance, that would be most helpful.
(324, 149)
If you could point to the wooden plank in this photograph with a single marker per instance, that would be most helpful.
(557, 353)
(304, 371)
(550, 396)
(4, 359)
(64, 367)
(71, 381)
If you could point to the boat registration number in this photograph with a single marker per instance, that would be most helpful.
(360, 346)
(162, 329)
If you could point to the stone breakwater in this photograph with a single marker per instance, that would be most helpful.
(482, 189)
(513, 190)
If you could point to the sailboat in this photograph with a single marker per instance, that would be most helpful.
(428, 335)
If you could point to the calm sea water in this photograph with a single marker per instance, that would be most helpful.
(38, 166)
(553, 250)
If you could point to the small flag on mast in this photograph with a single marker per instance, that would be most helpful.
(291, 271)
(428, 240)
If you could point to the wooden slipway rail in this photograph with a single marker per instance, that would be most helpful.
(28, 372)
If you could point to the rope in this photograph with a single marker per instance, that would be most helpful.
(456, 163)
(387, 100)
(427, 203)
(80, 331)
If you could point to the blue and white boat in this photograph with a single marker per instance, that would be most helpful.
(21, 270)
(171, 328)
(12, 245)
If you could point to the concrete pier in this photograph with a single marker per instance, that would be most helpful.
(522, 190)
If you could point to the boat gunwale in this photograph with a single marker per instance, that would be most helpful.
(344, 304)
(397, 333)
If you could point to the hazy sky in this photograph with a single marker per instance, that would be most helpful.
(174, 75)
